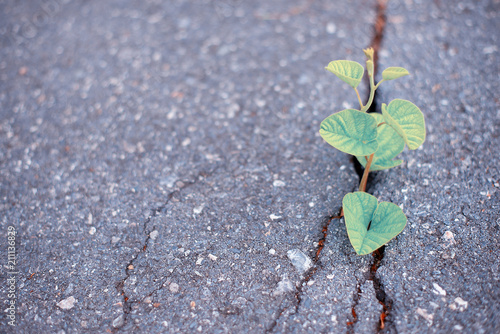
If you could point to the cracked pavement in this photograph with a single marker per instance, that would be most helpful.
(159, 161)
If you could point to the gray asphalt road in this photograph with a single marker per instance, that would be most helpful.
(443, 274)
(162, 167)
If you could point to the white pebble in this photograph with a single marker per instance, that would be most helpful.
(174, 287)
(449, 239)
(279, 183)
(67, 304)
(299, 260)
(438, 290)
(462, 304)
(154, 234)
(119, 321)
(331, 28)
(198, 209)
(284, 286)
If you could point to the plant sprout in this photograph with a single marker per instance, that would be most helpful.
(375, 139)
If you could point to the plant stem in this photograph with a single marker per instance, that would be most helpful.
(364, 179)
(372, 95)
(376, 86)
(359, 99)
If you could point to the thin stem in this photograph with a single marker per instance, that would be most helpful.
(381, 124)
(364, 180)
(359, 99)
(376, 86)
(372, 95)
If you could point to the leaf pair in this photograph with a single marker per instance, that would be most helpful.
(351, 72)
(370, 224)
(361, 134)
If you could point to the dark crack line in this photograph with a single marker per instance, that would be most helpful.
(310, 273)
(379, 28)
(354, 316)
(127, 303)
(120, 286)
(385, 323)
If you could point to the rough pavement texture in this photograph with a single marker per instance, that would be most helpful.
(442, 274)
(159, 162)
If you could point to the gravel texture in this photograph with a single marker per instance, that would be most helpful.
(442, 274)
(160, 162)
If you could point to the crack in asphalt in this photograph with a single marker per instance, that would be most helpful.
(378, 255)
(384, 322)
(356, 298)
(379, 26)
(120, 286)
(310, 273)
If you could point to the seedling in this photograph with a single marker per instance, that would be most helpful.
(375, 140)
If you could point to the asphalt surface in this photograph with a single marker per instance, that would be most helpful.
(162, 167)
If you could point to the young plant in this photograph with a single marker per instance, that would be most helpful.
(375, 140)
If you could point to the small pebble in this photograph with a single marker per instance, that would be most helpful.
(284, 286)
(448, 239)
(154, 234)
(67, 304)
(198, 209)
(279, 183)
(438, 290)
(174, 287)
(119, 321)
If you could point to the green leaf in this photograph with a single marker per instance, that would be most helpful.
(408, 121)
(390, 144)
(370, 224)
(392, 73)
(350, 131)
(347, 70)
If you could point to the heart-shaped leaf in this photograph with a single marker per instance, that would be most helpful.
(408, 121)
(392, 73)
(370, 224)
(347, 70)
(390, 144)
(350, 131)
